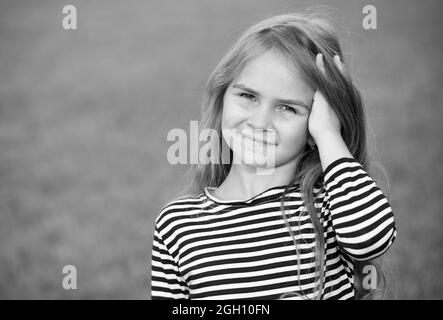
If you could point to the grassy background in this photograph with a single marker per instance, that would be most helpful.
(84, 116)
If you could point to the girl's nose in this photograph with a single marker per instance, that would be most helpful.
(260, 119)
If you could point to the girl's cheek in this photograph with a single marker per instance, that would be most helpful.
(235, 110)
(231, 116)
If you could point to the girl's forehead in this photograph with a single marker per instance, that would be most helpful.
(271, 71)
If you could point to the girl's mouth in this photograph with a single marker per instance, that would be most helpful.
(259, 136)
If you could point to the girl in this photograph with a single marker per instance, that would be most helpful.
(303, 227)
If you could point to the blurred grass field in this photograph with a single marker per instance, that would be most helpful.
(84, 116)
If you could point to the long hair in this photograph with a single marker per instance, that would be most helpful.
(299, 37)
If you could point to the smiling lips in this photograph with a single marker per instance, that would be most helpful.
(258, 137)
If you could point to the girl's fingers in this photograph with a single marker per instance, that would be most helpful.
(338, 63)
(320, 64)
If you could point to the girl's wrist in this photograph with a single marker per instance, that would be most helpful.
(326, 136)
(331, 147)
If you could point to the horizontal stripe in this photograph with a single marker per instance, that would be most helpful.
(205, 248)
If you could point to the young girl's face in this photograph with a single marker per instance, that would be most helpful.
(268, 96)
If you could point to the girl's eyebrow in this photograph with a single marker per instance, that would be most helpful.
(284, 101)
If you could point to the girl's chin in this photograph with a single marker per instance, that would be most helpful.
(253, 158)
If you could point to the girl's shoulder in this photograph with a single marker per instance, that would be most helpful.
(180, 204)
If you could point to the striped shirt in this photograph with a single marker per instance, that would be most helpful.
(206, 248)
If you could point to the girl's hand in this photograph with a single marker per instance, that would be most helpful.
(322, 119)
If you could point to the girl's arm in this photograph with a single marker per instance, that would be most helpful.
(331, 147)
(166, 280)
(361, 216)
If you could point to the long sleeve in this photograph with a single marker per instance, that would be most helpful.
(166, 280)
(361, 216)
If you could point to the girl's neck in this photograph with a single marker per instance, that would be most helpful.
(243, 182)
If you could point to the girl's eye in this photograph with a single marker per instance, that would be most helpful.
(288, 108)
(247, 96)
